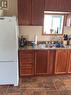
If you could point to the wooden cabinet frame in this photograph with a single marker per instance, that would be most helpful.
(44, 62)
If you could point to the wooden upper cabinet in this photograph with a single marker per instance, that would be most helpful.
(30, 12)
(64, 5)
(41, 57)
(37, 12)
(51, 5)
(24, 12)
(61, 62)
(58, 5)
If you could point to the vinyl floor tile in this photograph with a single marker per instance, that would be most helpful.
(65, 92)
(13, 94)
(13, 89)
(59, 84)
(50, 85)
(3, 89)
(2, 93)
(52, 93)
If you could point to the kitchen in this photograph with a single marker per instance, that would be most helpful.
(28, 28)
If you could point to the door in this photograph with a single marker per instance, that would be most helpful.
(8, 39)
(41, 62)
(61, 61)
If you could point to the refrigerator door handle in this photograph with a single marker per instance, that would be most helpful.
(8, 61)
(2, 18)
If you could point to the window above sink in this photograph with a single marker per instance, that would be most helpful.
(54, 22)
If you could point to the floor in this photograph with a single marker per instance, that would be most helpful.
(51, 85)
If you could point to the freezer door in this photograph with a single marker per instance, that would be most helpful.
(9, 73)
(8, 40)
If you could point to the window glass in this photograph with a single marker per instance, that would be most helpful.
(53, 24)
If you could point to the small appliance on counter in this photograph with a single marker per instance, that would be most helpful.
(22, 41)
(65, 41)
(69, 39)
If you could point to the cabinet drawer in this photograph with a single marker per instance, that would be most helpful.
(26, 52)
(26, 65)
(24, 71)
(25, 56)
(27, 60)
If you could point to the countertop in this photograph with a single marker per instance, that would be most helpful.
(43, 48)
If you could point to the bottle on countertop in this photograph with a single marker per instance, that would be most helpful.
(21, 42)
(65, 37)
(57, 30)
(65, 41)
(35, 39)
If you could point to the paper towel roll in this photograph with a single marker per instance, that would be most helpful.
(35, 39)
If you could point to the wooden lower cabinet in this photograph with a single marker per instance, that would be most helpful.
(44, 62)
(69, 65)
(26, 59)
(51, 61)
(41, 59)
(61, 61)
(36, 62)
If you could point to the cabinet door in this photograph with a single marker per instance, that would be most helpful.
(24, 12)
(61, 61)
(26, 59)
(41, 62)
(58, 5)
(64, 5)
(51, 61)
(51, 5)
(37, 12)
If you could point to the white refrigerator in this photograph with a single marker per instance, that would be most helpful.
(9, 72)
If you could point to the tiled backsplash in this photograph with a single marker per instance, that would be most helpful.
(30, 31)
